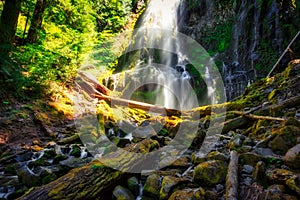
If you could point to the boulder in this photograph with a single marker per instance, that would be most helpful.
(210, 173)
(152, 186)
(122, 193)
(168, 184)
(285, 139)
(292, 157)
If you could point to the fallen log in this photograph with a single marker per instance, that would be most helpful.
(139, 105)
(94, 180)
(232, 177)
(94, 83)
(99, 91)
(252, 116)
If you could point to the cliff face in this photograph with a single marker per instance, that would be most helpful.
(245, 36)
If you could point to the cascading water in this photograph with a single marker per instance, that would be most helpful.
(173, 82)
(164, 63)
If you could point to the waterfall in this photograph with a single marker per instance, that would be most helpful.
(165, 64)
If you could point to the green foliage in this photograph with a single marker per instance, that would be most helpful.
(112, 14)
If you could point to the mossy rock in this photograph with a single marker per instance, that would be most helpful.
(133, 185)
(49, 153)
(27, 178)
(76, 151)
(210, 173)
(48, 178)
(152, 186)
(40, 162)
(168, 184)
(10, 169)
(215, 155)
(249, 159)
(182, 195)
(285, 139)
(59, 158)
(122, 193)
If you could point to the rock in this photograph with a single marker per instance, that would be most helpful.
(181, 162)
(216, 155)
(76, 151)
(277, 192)
(292, 157)
(285, 139)
(182, 195)
(281, 175)
(199, 194)
(198, 158)
(26, 177)
(50, 153)
(152, 186)
(248, 169)
(168, 185)
(249, 159)
(121, 193)
(73, 162)
(134, 185)
(264, 152)
(120, 142)
(210, 173)
(144, 132)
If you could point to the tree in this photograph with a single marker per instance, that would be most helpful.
(36, 22)
(8, 25)
(9, 21)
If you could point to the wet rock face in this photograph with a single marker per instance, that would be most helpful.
(246, 35)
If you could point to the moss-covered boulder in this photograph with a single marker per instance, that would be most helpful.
(152, 186)
(168, 184)
(285, 138)
(249, 159)
(210, 173)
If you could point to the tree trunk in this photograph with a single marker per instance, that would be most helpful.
(36, 22)
(9, 22)
(92, 181)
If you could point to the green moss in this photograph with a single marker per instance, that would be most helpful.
(49, 178)
(210, 173)
(76, 151)
(97, 166)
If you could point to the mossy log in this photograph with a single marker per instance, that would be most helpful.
(234, 124)
(232, 177)
(251, 116)
(92, 181)
(99, 91)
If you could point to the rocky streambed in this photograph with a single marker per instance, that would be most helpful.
(256, 155)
